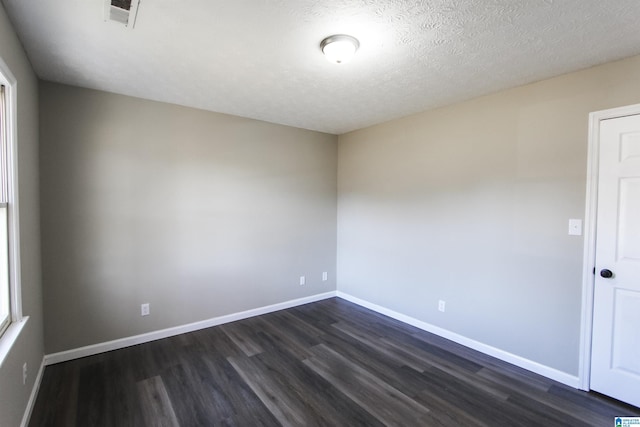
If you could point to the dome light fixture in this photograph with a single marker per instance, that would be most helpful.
(339, 48)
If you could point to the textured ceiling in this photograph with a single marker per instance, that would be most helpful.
(261, 58)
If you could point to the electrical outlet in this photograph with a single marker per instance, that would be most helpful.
(24, 373)
(144, 309)
(302, 280)
(441, 304)
(324, 276)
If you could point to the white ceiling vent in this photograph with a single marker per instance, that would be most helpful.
(122, 11)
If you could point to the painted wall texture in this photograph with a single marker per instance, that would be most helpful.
(470, 204)
(197, 213)
(29, 346)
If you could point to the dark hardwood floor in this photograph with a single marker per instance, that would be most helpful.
(330, 363)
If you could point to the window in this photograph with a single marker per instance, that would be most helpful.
(11, 320)
(5, 293)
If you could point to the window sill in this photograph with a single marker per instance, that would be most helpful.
(9, 338)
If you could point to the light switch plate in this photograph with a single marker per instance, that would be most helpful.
(575, 227)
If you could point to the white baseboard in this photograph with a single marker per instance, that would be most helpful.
(538, 368)
(34, 395)
(90, 350)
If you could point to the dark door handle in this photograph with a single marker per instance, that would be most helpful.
(607, 274)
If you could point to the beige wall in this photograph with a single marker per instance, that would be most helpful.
(199, 214)
(29, 346)
(470, 204)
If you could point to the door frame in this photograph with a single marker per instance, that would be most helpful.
(590, 223)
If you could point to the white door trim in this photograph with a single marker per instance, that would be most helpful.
(588, 263)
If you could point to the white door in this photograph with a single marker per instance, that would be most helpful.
(615, 354)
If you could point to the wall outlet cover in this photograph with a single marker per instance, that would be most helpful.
(441, 305)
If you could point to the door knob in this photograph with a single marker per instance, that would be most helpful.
(607, 274)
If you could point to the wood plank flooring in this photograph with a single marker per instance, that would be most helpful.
(329, 363)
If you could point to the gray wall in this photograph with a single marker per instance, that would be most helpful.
(199, 214)
(29, 347)
(470, 204)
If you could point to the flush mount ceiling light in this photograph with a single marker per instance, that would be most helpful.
(339, 48)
